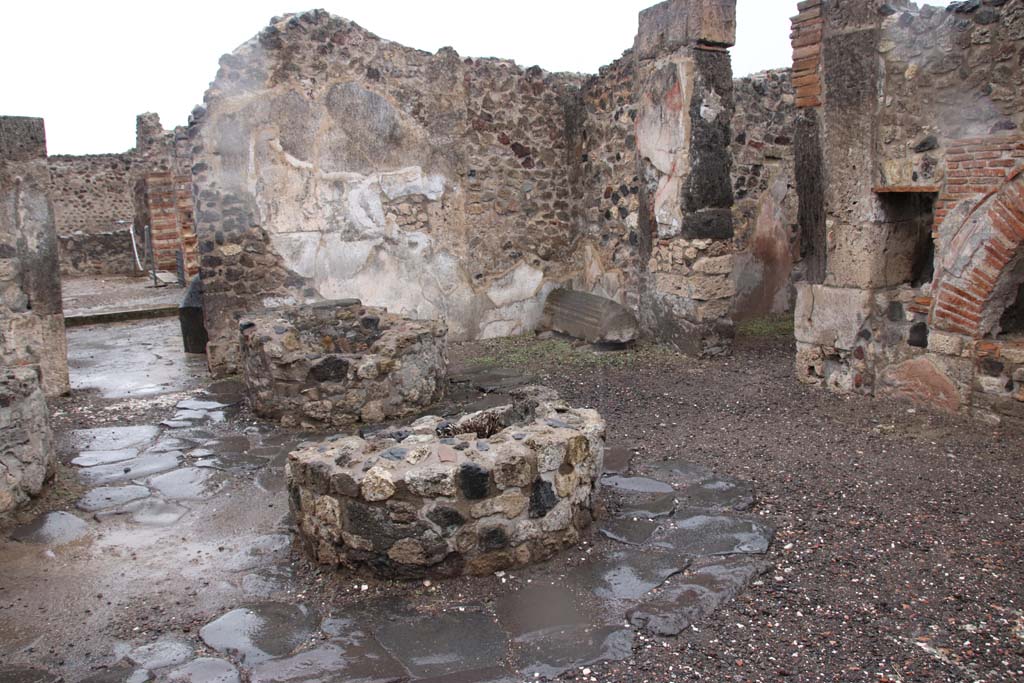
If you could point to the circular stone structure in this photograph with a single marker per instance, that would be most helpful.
(491, 490)
(338, 363)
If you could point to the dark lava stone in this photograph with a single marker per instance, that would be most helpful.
(397, 453)
(474, 481)
(895, 311)
(542, 499)
(448, 519)
(493, 538)
(332, 368)
(929, 143)
(918, 336)
(992, 367)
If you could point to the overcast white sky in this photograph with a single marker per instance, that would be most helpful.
(89, 67)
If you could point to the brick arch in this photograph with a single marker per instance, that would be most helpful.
(980, 265)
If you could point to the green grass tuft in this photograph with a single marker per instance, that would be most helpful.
(776, 325)
(527, 351)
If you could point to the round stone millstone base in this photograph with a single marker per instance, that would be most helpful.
(492, 490)
(339, 363)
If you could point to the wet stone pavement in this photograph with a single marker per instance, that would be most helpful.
(176, 563)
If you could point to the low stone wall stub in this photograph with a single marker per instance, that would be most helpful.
(340, 363)
(492, 490)
(27, 458)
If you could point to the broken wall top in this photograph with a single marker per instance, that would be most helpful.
(22, 138)
(674, 24)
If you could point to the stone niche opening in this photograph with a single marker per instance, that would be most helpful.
(1011, 324)
(339, 363)
(495, 489)
(910, 250)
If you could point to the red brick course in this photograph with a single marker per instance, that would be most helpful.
(960, 302)
(806, 39)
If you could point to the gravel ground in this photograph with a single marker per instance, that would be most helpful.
(898, 552)
(899, 546)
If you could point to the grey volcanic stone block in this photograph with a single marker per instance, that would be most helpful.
(590, 317)
(26, 443)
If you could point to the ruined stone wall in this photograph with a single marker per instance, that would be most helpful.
(27, 455)
(947, 74)
(93, 210)
(91, 193)
(330, 163)
(433, 185)
(608, 187)
(767, 239)
(31, 309)
(98, 198)
(685, 106)
(920, 114)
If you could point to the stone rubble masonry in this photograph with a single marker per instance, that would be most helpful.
(97, 198)
(486, 492)
(685, 106)
(923, 166)
(27, 455)
(808, 26)
(91, 193)
(769, 247)
(328, 163)
(339, 363)
(31, 309)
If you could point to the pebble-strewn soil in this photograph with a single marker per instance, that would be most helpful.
(897, 555)
(899, 548)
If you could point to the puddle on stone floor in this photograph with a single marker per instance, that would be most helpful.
(154, 512)
(93, 458)
(626, 574)
(688, 598)
(204, 670)
(635, 484)
(540, 606)
(52, 528)
(445, 643)
(161, 654)
(551, 652)
(130, 470)
(639, 506)
(187, 483)
(106, 497)
(260, 632)
(702, 534)
(494, 674)
(112, 438)
(363, 662)
(718, 493)
(629, 531)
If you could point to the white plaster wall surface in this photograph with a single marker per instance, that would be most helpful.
(358, 160)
